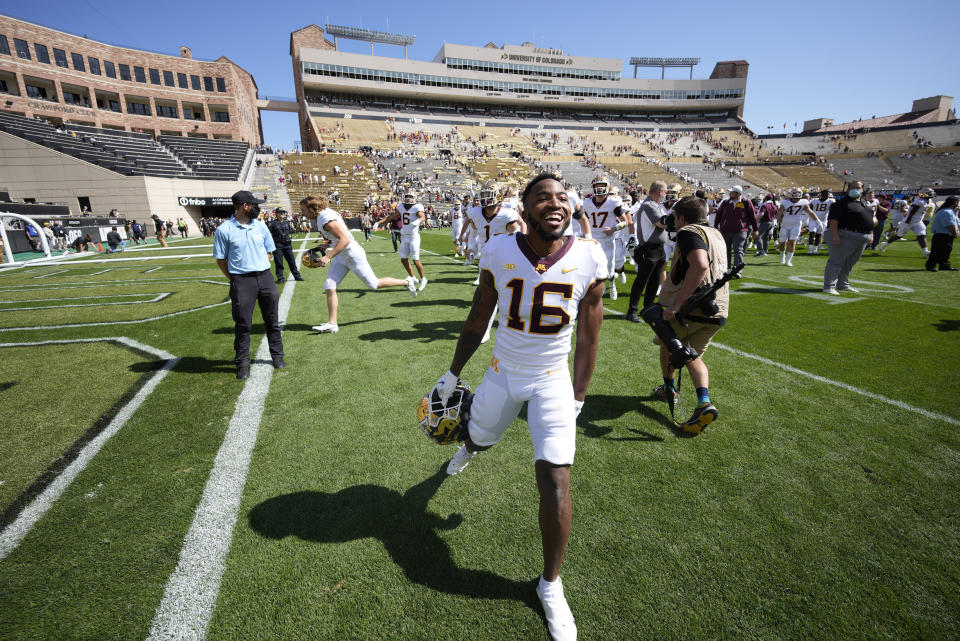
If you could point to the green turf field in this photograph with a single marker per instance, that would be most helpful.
(821, 505)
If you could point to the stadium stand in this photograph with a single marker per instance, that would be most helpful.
(353, 182)
(134, 154)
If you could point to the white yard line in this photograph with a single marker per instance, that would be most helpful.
(116, 283)
(153, 269)
(823, 379)
(53, 273)
(157, 297)
(107, 323)
(14, 533)
(191, 593)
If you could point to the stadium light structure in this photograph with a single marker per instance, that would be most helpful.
(371, 36)
(663, 63)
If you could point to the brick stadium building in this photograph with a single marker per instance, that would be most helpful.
(62, 77)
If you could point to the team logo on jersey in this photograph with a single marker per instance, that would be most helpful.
(541, 267)
(567, 270)
(510, 266)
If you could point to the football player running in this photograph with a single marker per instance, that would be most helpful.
(456, 226)
(821, 207)
(607, 217)
(920, 210)
(345, 255)
(793, 210)
(411, 215)
(543, 281)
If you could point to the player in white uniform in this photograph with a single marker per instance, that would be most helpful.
(821, 207)
(606, 214)
(579, 224)
(793, 210)
(672, 195)
(490, 220)
(456, 226)
(620, 238)
(713, 203)
(411, 215)
(898, 212)
(920, 210)
(345, 255)
(544, 282)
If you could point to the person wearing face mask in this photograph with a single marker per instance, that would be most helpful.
(651, 230)
(737, 220)
(850, 226)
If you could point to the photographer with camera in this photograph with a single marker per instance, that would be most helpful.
(649, 253)
(693, 306)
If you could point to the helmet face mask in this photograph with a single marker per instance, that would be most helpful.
(444, 424)
(409, 198)
(489, 194)
(311, 258)
(795, 194)
(601, 187)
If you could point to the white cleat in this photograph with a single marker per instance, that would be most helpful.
(467, 260)
(423, 283)
(783, 259)
(326, 328)
(613, 289)
(623, 278)
(459, 461)
(883, 247)
(831, 290)
(412, 285)
(560, 622)
(476, 282)
(789, 263)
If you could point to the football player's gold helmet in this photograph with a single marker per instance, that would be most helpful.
(600, 186)
(489, 193)
(446, 424)
(410, 198)
(311, 258)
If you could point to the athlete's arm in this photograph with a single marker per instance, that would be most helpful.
(339, 230)
(467, 224)
(584, 222)
(389, 218)
(589, 318)
(484, 302)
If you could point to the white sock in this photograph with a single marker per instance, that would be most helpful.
(789, 256)
(549, 586)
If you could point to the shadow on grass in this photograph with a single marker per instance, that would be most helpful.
(401, 522)
(944, 325)
(258, 328)
(599, 407)
(5, 386)
(891, 270)
(420, 302)
(424, 332)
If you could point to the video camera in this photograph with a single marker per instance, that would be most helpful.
(702, 300)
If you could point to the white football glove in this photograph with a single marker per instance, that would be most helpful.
(577, 408)
(445, 386)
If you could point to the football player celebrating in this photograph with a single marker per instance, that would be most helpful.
(345, 256)
(606, 214)
(542, 280)
(790, 221)
(411, 215)
(821, 207)
(456, 225)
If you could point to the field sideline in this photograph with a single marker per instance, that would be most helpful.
(821, 504)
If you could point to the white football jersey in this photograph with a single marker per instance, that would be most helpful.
(487, 228)
(325, 217)
(821, 207)
(602, 215)
(410, 217)
(573, 229)
(793, 212)
(539, 298)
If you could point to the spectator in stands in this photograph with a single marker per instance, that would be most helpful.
(114, 241)
(736, 219)
(944, 229)
(33, 236)
(849, 228)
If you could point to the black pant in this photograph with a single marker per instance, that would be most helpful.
(940, 247)
(281, 252)
(650, 260)
(245, 290)
(394, 238)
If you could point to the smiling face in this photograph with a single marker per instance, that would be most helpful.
(547, 209)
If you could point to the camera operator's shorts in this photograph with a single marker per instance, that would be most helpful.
(410, 247)
(694, 334)
(550, 410)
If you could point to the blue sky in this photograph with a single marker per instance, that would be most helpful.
(842, 60)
